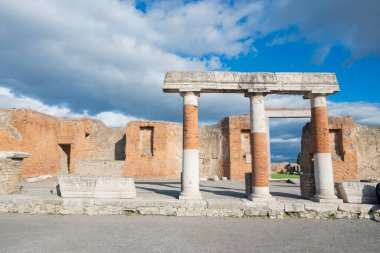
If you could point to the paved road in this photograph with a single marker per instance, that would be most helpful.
(26, 233)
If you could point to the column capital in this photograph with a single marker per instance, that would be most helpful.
(318, 101)
(183, 93)
(315, 95)
(255, 94)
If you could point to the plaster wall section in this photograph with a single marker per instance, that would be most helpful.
(212, 150)
(368, 151)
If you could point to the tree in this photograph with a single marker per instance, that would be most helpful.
(299, 158)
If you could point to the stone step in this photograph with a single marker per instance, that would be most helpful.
(38, 192)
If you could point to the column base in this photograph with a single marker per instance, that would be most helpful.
(191, 196)
(323, 199)
(261, 199)
(261, 194)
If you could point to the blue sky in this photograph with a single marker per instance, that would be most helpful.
(106, 59)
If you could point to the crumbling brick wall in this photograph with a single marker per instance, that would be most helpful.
(47, 138)
(153, 149)
(239, 147)
(343, 149)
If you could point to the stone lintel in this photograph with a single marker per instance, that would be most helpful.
(262, 82)
(13, 154)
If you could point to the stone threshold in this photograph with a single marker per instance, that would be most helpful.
(174, 207)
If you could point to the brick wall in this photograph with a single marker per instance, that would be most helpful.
(99, 168)
(239, 147)
(49, 140)
(342, 147)
(153, 149)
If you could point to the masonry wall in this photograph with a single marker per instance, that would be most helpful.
(10, 171)
(34, 133)
(213, 153)
(239, 146)
(49, 140)
(368, 151)
(354, 148)
(154, 150)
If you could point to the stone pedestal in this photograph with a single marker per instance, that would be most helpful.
(10, 171)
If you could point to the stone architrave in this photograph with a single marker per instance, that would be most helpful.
(357, 192)
(102, 187)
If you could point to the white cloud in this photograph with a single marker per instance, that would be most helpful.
(204, 27)
(10, 100)
(109, 55)
(282, 140)
(362, 112)
(349, 23)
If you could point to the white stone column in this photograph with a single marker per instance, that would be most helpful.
(190, 159)
(259, 149)
(323, 170)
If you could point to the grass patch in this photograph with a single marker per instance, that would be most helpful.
(277, 176)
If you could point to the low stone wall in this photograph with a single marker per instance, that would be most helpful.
(99, 168)
(175, 207)
(10, 171)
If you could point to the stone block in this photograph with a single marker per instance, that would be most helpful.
(357, 192)
(321, 207)
(115, 188)
(225, 204)
(76, 187)
(294, 207)
(355, 208)
(103, 187)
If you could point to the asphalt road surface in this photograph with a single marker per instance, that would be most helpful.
(38, 233)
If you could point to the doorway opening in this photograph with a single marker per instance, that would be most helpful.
(65, 158)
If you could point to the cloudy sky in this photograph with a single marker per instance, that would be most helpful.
(107, 58)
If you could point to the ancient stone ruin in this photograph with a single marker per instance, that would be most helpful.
(334, 149)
